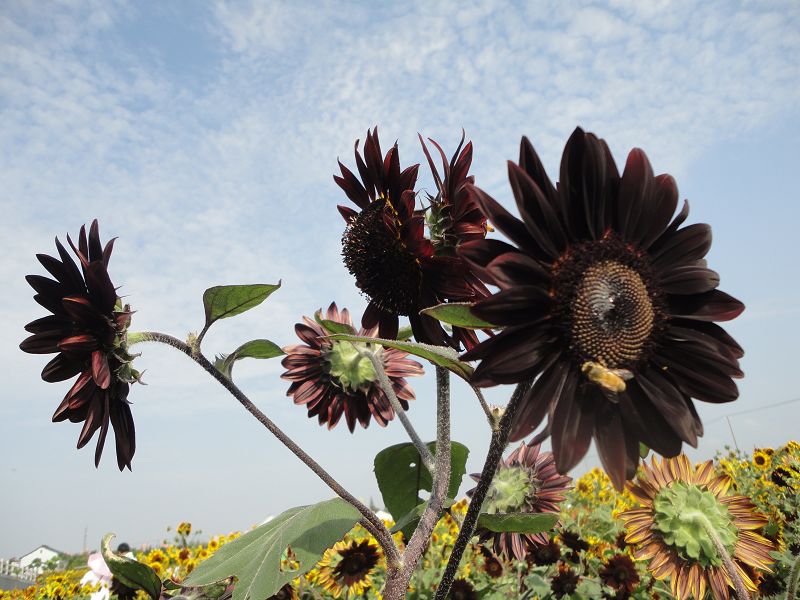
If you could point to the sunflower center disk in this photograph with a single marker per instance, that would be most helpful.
(383, 267)
(679, 512)
(612, 314)
(510, 491)
(348, 365)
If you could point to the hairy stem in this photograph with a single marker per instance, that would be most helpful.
(727, 561)
(371, 521)
(494, 422)
(495, 453)
(791, 589)
(386, 386)
(397, 585)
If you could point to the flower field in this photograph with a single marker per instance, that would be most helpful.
(589, 555)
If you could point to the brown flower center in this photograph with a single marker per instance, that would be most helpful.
(612, 315)
(383, 267)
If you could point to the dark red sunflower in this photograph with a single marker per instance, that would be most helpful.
(525, 482)
(385, 248)
(335, 378)
(462, 590)
(565, 582)
(87, 330)
(620, 574)
(608, 303)
(544, 554)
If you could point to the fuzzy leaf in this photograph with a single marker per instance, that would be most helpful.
(408, 522)
(401, 475)
(252, 349)
(518, 522)
(225, 301)
(333, 326)
(405, 333)
(255, 557)
(457, 314)
(130, 572)
(438, 355)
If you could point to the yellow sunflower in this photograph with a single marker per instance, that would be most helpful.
(346, 569)
(762, 458)
(670, 492)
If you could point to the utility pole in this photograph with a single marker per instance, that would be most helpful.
(85, 533)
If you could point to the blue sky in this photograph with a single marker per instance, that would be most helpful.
(204, 136)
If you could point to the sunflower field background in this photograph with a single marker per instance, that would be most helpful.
(586, 556)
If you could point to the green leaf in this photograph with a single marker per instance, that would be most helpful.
(252, 349)
(333, 326)
(405, 333)
(255, 557)
(130, 572)
(225, 301)
(643, 450)
(438, 355)
(401, 475)
(408, 522)
(518, 522)
(457, 314)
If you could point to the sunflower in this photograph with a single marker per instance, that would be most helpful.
(544, 554)
(87, 330)
(287, 592)
(620, 574)
(679, 548)
(385, 248)
(607, 303)
(335, 377)
(525, 482)
(761, 459)
(565, 582)
(462, 590)
(346, 569)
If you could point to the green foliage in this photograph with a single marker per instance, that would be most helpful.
(458, 314)
(438, 355)
(518, 522)
(130, 572)
(253, 349)
(333, 326)
(255, 558)
(401, 475)
(225, 301)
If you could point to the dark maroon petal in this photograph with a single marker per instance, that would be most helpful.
(310, 334)
(426, 330)
(609, 436)
(78, 343)
(101, 290)
(389, 325)
(479, 253)
(650, 426)
(704, 355)
(711, 306)
(516, 268)
(537, 214)
(95, 248)
(698, 378)
(506, 223)
(57, 269)
(107, 251)
(348, 213)
(61, 368)
(688, 279)
(352, 187)
(538, 400)
(100, 370)
(530, 163)
(124, 430)
(48, 323)
(704, 332)
(101, 439)
(53, 304)
(572, 422)
(662, 205)
(683, 247)
(447, 276)
(94, 420)
(671, 228)
(513, 355)
(45, 342)
(371, 316)
(46, 286)
(83, 311)
(514, 306)
(588, 184)
(668, 401)
(635, 191)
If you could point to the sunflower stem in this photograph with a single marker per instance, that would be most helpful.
(397, 585)
(371, 521)
(791, 589)
(494, 421)
(386, 386)
(730, 567)
(493, 456)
